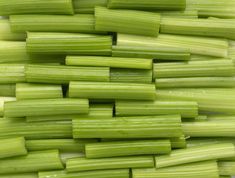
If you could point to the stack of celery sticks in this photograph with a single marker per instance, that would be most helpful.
(117, 88)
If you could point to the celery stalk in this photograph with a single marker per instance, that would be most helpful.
(87, 7)
(7, 90)
(12, 73)
(64, 156)
(178, 142)
(2, 102)
(182, 14)
(24, 175)
(203, 141)
(226, 168)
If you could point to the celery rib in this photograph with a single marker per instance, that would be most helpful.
(87, 7)
(12, 73)
(2, 102)
(226, 168)
(7, 90)
(23, 175)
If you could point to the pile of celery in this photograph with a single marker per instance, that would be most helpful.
(117, 88)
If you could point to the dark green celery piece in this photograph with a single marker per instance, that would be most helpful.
(24, 175)
(127, 21)
(207, 169)
(196, 154)
(68, 43)
(2, 102)
(83, 23)
(84, 164)
(226, 168)
(33, 162)
(58, 74)
(131, 75)
(7, 90)
(127, 148)
(87, 7)
(12, 73)
(107, 90)
(148, 4)
(112, 173)
(35, 7)
(129, 127)
(159, 107)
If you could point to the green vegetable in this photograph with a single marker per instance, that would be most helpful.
(7, 90)
(64, 156)
(227, 168)
(203, 141)
(182, 14)
(12, 73)
(24, 175)
(87, 7)
(2, 102)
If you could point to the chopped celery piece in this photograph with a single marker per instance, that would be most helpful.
(84, 164)
(68, 43)
(132, 108)
(2, 101)
(63, 145)
(115, 173)
(127, 21)
(60, 74)
(12, 73)
(221, 118)
(87, 7)
(107, 90)
(83, 23)
(178, 142)
(33, 162)
(11, 147)
(131, 75)
(38, 91)
(36, 7)
(224, 176)
(42, 107)
(148, 4)
(64, 156)
(129, 127)
(127, 148)
(182, 14)
(226, 168)
(24, 175)
(196, 154)
(113, 62)
(207, 169)
(7, 90)
(201, 58)
(204, 141)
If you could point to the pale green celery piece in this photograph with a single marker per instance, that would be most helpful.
(11, 147)
(195, 82)
(158, 107)
(231, 53)
(196, 57)
(131, 75)
(12, 73)
(44, 107)
(87, 7)
(182, 14)
(178, 142)
(148, 4)
(2, 101)
(232, 43)
(202, 118)
(63, 145)
(7, 90)
(7, 34)
(84, 164)
(196, 154)
(24, 175)
(107, 90)
(200, 27)
(216, 47)
(96, 111)
(226, 168)
(68, 43)
(113, 62)
(35, 7)
(127, 21)
(225, 177)
(129, 127)
(38, 91)
(60, 74)
(207, 169)
(221, 118)
(32, 162)
(83, 23)
(208, 140)
(157, 52)
(112, 173)
(64, 156)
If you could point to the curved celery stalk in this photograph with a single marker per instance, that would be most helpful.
(12, 147)
(7, 90)
(129, 127)
(196, 154)
(24, 175)
(84, 164)
(2, 101)
(132, 108)
(127, 21)
(87, 7)
(12, 73)
(107, 90)
(226, 168)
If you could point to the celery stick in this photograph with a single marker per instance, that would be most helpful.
(178, 142)
(7, 90)
(221, 118)
(64, 156)
(148, 4)
(196, 57)
(33, 162)
(132, 108)
(7, 34)
(113, 62)
(87, 7)
(226, 168)
(196, 154)
(127, 148)
(58, 74)
(68, 43)
(38, 91)
(127, 21)
(203, 141)
(36, 7)
(115, 173)
(131, 75)
(106, 90)
(129, 127)
(84, 164)
(39, 130)
(225, 176)
(182, 14)
(42, 107)
(24, 175)
(12, 73)
(83, 23)
(2, 101)
(63, 145)
(207, 169)
(12, 147)
(208, 68)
